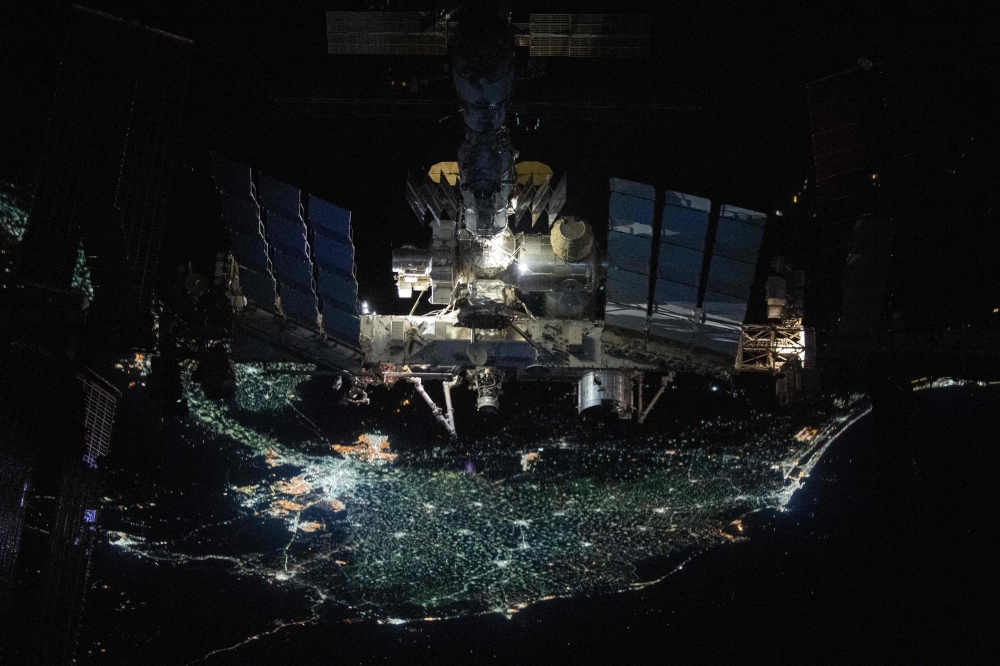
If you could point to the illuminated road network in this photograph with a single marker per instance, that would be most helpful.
(395, 536)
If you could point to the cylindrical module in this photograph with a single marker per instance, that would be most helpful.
(540, 269)
(605, 388)
(572, 239)
(567, 304)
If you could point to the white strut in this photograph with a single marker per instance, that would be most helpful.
(438, 414)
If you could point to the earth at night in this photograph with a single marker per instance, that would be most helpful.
(277, 508)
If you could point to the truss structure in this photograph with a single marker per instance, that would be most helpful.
(767, 347)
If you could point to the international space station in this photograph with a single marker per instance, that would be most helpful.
(665, 292)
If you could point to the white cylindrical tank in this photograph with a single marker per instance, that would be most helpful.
(607, 388)
(539, 268)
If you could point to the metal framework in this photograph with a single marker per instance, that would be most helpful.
(766, 347)
(100, 399)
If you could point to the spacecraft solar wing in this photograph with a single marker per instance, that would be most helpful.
(632, 317)
(627, 287)
(682, 239)
(333, 254)
(388, 33)
(330, 221)
(242, 217)
(417, 205)
(557, 201)
(739, 233)
(589, 35)
(258, 287)
(631, 204)
(340, 325)
(681, 255)
(734, 257)
(724, 307)
(629, 252)
(719, 336)
(673, 310)
(239, 209)
(630, 240)
(278, 198)
(680, 265)
(626, 302)
(301, 266)
(287, 237)
(248, 250)
(299, 306)
(685, 220)
(730, 276)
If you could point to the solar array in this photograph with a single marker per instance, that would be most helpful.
(386, 33)
(294, 250)
(99, 399)
(682, 302)
(589, 35)
(416, 33)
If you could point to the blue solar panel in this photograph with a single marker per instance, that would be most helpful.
(739, 234)
(630, 245)
(288, 234)
(724, 340)
(290, 268)
(333, 255)
(725, 307)
(299, 306)
(685, 220)
(293, 253)
(734, 263)
(279, 198)
(249, 250)
(627, 287)
(627, 294)
(672, 326)
(625, 316)
(329, 220)
(257, 287)
(335, 294)
(679, 264)
(629, 252)
(674, 296)
(342, 326)
(673, 310)
(731, 277)
(630, 209)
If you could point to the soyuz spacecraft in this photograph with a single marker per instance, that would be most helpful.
(666, 291)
